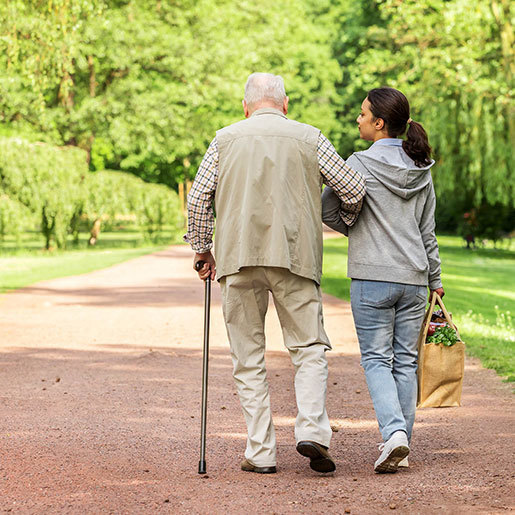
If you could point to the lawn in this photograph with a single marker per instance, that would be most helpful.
(24, 262)
(480, 292)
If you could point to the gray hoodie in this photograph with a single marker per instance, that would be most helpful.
(394, 238)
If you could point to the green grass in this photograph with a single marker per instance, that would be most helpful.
(123, 238)
(24, 261)
(479, 290)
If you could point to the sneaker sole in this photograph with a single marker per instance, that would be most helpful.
(317, 461)
(391, 463)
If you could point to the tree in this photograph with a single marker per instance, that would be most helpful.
(47, 180)
(144, 86)
(454, 61)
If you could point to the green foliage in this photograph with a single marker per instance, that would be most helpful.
(159, 207)
(454, 60)
(143, 85)
(111, 194)
(14, 217)
(39, 46)
(45, 179)
(444, 335)
(55, 184)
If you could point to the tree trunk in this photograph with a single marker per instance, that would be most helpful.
(502, 15)
(92, 76)
(47, 228)
(95, 231)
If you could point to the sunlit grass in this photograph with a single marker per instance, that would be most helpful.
(25, 261)
(22, 270)
(480, 292)
(130, 237)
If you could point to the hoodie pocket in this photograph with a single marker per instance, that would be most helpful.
(376, 293)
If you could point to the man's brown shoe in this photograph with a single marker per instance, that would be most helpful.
(249, 467)
(319, 458)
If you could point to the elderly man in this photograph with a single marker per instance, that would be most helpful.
(265, 176)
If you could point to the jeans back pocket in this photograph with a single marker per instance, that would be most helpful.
(376, 293)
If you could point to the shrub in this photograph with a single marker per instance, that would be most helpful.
(47, 180)
(112, 193)
(160, 206)
(14, 217)
(54, 183)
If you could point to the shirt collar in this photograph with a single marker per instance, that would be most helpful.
(268, 110)
(391, 142)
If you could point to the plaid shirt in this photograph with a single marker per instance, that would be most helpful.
(348, 184)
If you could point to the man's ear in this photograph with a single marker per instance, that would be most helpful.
(379, 124)
(285, 105)
(245, 108)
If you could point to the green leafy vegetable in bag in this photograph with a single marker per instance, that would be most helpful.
(444, 335)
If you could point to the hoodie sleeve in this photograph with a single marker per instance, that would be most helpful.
(427, 231)
(331, 206)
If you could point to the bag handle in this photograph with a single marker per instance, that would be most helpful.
(436, 298)
(427, 319)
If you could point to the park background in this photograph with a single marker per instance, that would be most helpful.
(107, 107)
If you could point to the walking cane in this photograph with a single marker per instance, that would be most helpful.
(205, 360)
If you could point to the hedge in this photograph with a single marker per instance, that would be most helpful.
(54, 184)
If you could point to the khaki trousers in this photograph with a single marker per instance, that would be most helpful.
(299, 306)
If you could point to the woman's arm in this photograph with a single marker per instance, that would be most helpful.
(331, 206)
(427, 230)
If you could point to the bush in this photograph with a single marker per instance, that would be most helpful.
(54, 184)
(488, 222)
(14, 217)
(47, 180)
(160, 207)
(112, 194)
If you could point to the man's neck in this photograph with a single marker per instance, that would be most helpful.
(265, 105)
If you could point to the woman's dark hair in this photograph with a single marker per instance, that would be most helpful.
(393, 107)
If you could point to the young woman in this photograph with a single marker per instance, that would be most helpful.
(393, 259)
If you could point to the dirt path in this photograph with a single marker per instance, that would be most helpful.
(100, 402)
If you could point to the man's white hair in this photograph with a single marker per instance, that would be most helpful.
(264, 86)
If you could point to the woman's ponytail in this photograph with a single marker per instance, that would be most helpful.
(416, 144)
(393, 107)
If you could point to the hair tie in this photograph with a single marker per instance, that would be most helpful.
(409, 120)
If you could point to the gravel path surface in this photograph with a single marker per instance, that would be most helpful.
(100, 403)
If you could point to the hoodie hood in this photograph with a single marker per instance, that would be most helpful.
(393, 168)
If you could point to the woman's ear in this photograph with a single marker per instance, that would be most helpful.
(379, 124)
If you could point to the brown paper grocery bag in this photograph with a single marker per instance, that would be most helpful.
(440, 368)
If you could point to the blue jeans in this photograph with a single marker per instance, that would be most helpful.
(388, 317)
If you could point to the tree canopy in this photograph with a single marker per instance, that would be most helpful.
(142, 85)
(454, 61)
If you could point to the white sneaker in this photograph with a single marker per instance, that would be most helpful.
(393, 451)
(404, 463)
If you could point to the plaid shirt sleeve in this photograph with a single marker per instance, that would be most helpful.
(201, 220)
(348, 184)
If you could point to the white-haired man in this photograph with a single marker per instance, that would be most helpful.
(265, 176)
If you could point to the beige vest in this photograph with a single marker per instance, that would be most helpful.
(267, 200)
